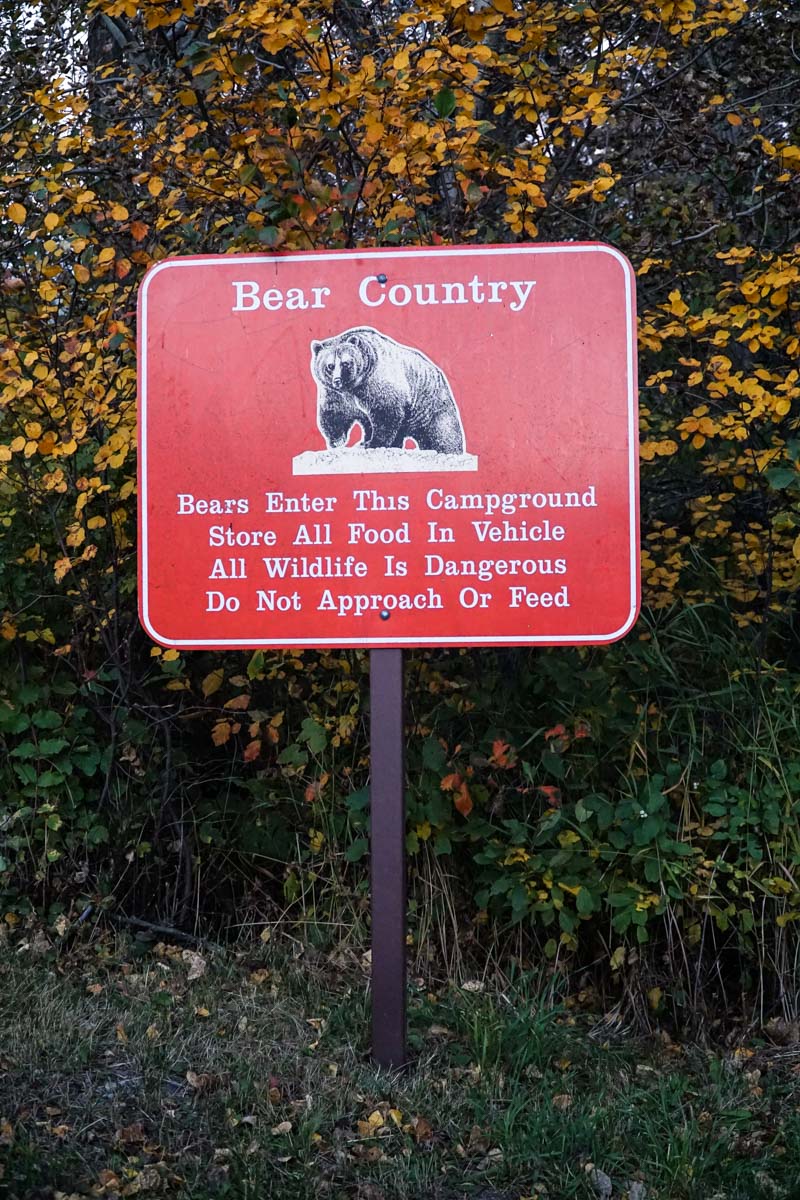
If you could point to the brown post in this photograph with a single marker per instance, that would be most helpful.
(388, 852)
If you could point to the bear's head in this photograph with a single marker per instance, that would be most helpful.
(338, 363)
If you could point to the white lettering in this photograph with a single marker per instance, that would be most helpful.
(363, 290)
(523, 288)
(246, 289)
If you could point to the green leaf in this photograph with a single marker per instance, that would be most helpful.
(314, 735)
(358, 801)
(442, 844)
(293, 756)
(88, 762)
(782, 477)
(50, 779)
(444, 102)
(12, 721)
(553, 764)
(652, 870)
(519, 901)
(25, 750)
(47, 720)
(433, 755)
(255, 665)
(357, 850)
(52, 745)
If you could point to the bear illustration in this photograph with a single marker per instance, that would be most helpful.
(393, 391)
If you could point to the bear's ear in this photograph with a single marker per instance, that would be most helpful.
(316, 347)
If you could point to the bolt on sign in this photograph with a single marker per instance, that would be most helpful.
(391, 447)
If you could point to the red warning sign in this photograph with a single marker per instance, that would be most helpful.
(389, 447)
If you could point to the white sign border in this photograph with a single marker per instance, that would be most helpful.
(367, 642)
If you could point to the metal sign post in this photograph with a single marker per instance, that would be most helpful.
(388, 858)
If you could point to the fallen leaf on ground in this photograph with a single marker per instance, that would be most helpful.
(423, 1130)
(204, 1081)
(130, 1134)
(196, 962)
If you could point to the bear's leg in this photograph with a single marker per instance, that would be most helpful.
(443, 434)
(385, 432)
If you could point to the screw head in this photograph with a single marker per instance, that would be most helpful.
(381, 278)
(385, 615)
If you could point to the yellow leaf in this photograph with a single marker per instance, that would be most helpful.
(733, 119)
(51, 220)
(618, 958)
(654, 997)
(119, 212)
(106, 254)
(155, 187)
(796, 548)
(171, 655)
(80, 272)
(16, 213)
(374, 133)
(213, 682)
(221, 733)
(676, 305)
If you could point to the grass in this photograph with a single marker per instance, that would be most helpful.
(120, 1075)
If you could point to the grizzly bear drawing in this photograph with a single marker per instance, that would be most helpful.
(393, 391)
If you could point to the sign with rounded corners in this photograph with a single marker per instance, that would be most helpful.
(389, 447)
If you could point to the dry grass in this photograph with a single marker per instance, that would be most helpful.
(152, 1071)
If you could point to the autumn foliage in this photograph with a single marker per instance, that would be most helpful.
(666, 127)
